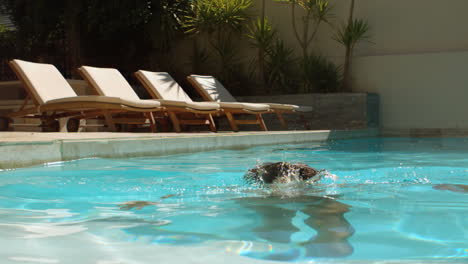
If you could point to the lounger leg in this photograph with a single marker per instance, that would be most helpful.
(306, 122)
(110, 122)
(261, 122)
(150, 116)
(175, 122)
(49, 124)
(284, 125)
(211, 123)
(232, 122)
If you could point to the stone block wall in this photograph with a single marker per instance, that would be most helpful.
(330, 111)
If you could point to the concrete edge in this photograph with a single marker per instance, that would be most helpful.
(24, 154)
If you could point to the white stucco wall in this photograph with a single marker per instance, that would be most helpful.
(421, 91)
(417, 63)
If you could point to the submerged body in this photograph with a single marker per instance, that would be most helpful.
(462, 188)
(276, 210)
(323, 214)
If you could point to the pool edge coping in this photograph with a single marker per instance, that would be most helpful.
(18, 154)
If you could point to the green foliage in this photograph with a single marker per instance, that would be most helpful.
(316, 73)
(37, 22)
(8, 40)
(200, 60)
(261, 34)
(144, 29)
(281, 68)
(320, 9)
(3, 29)
(320, 74)
(228, 51)
(350, 34)
(160, 19)
(140, 27)
(165, 22)
(100, 16)
(220, 21)
(209, 16)
(315, 12)
(142, 34)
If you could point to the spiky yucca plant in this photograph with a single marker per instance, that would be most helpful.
(219, 20)
(349, 35)
(262, 36)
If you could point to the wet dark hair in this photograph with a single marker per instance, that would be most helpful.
(268, 173)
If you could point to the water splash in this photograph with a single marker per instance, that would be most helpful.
(328, 175)
(289, 182)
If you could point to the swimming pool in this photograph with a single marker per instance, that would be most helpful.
(383, 201)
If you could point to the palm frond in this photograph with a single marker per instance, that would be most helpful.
(261, 35)
(348, 35)
(212, 15)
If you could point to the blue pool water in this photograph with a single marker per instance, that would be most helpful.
(383, 199)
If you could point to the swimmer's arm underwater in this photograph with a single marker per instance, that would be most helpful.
(140, 204)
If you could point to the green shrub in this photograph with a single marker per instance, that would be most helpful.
(281, 70)
(319, 74)
(220, 22)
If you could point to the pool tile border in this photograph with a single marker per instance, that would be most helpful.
(22, 154)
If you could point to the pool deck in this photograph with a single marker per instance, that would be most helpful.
(21, 149)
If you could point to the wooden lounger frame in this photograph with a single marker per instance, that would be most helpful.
(183, 116)
(277, 111)
(230, 112)
(49, 113)
(130, 118)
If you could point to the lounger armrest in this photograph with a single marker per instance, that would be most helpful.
(305, 109)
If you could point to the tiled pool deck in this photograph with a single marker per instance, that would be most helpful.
(21, 149)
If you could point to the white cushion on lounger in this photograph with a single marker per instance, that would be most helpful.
(217, 92)
(87, 98)
(109, 82)
(304, 109)
(141, 103)
(287, 107)
(213, 88)
(245, 106)
(202, 106)
(108, 100)
(46, 81)
(163, 85)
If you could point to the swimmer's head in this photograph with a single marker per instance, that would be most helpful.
(282, 172)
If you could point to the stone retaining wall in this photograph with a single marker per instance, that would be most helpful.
(330, 111)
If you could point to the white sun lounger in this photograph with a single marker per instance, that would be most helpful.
(54, 98)
(109, 81)
(162, 85)
(212, 90)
